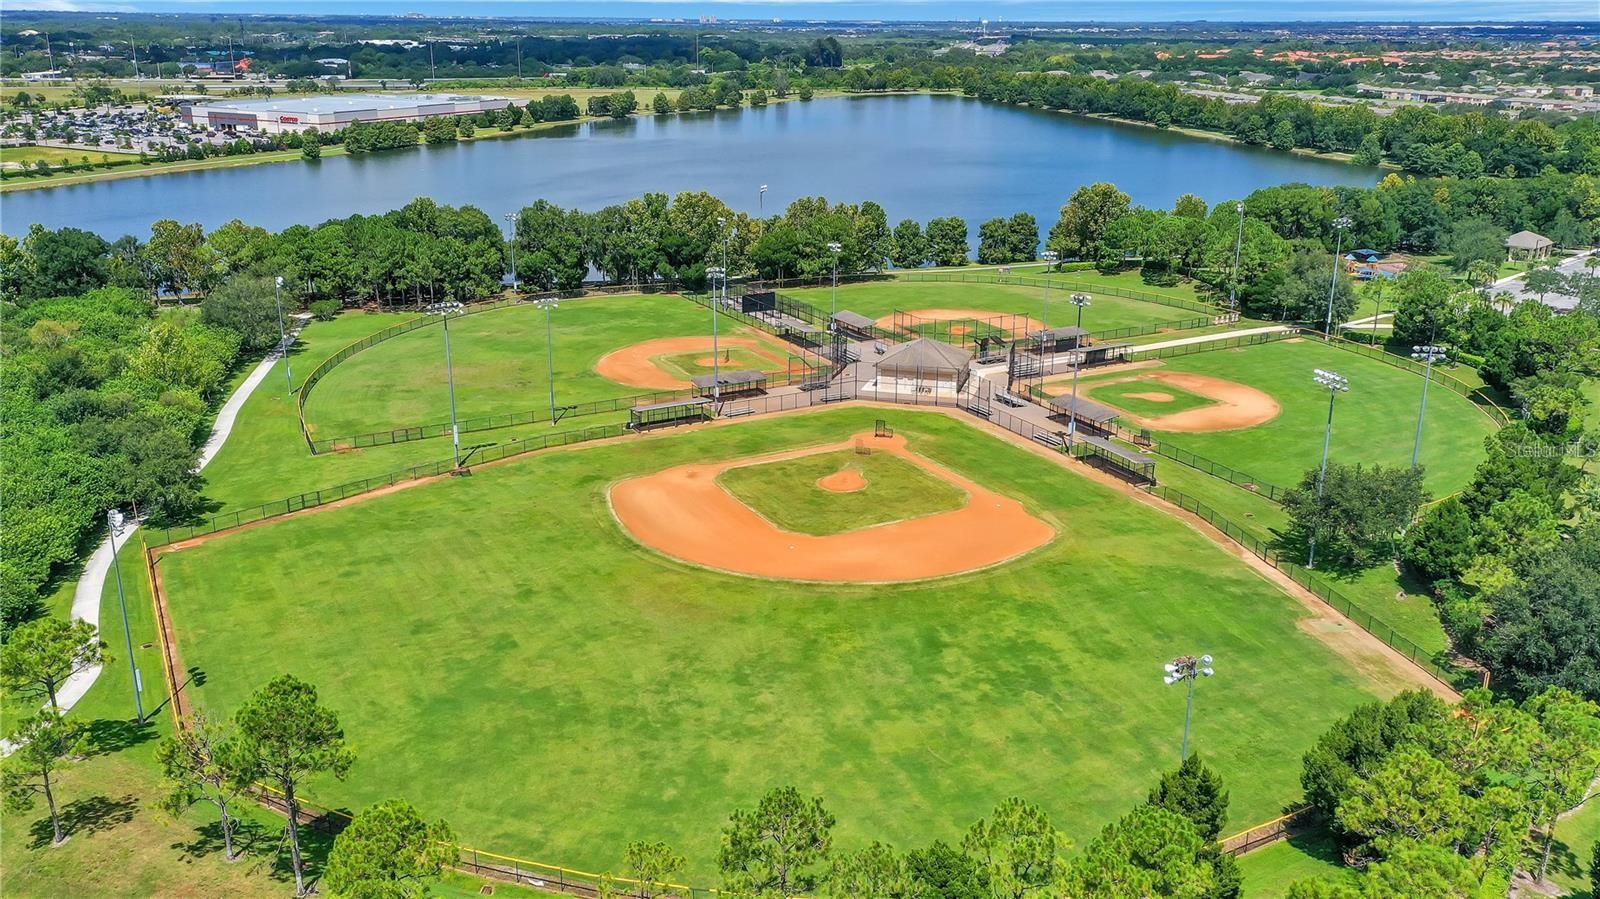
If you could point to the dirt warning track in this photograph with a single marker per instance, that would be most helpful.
(684, 513)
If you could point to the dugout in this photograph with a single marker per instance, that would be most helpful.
(1055, 340)
(853, 324)
(1115, 458)
(667, 414)
(1102, 353)
(745, 382)
(1090, 414)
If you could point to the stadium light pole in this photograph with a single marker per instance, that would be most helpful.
(1427, 354)
(1050, 257)
(283, 336)
(761, 200)
(1080, 300)
(1335, 384)
(444, 311)
(834, 247)
(511, 245)
(1191, 669)
(114, 520)
(1340, 225)
(549, 304)
(1238, 244)
(716, 272)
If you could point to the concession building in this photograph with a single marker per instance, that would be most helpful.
(331, 113)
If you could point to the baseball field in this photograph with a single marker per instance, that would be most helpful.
(604, 348)
(515, 651)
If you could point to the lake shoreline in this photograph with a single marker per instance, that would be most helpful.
(328, 150)
(987, 159)
(335, 150)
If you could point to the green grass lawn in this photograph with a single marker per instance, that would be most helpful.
(1269, 871)
(266, 458)
(787, 494)
(876, 299)
(27, 156)
(1381, 591)
(1577, 841)
(500, 363)
(1373, 423)
(503, 655)
(1126, 395)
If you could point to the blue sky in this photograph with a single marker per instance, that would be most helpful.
(1013, 10)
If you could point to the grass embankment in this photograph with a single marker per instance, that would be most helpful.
(643, 696)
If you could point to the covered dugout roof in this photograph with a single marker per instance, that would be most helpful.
(853, 320)
(925, 356)
(741, 378)
(1058, 333)
(1086, 410)
(672, 404)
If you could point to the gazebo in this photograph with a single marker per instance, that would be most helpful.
(1529, 245)
(923, 366)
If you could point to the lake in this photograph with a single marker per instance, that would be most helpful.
(919, 156)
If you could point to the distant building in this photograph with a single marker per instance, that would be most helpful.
(1528, 245)
(334, 113)
(1255, 77)
(46, 75)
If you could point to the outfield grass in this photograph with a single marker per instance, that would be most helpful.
(500, 363)
(876, 299)
(1381, 591)
(1374, 422)
(505, 657)
(786, 492)
(1125, 395)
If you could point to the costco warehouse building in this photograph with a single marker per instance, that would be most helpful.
(333, 113)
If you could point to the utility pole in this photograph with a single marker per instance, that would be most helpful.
(1335, 384)
(1050, 257)
(1427, 355)
(1340, 225)
(1191, 669)
(511, 219)
(1080, 300)
(548, 304)
(114, 520)
(444, 311)
(1238, 244)
(283, 335)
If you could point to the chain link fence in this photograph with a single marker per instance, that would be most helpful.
(1305, 577)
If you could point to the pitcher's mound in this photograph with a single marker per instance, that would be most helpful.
(845, 480)
(684, 513)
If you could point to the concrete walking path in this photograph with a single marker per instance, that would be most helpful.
(91, 584)
(1208, 338)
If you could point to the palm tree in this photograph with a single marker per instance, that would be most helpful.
(1481, 273)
